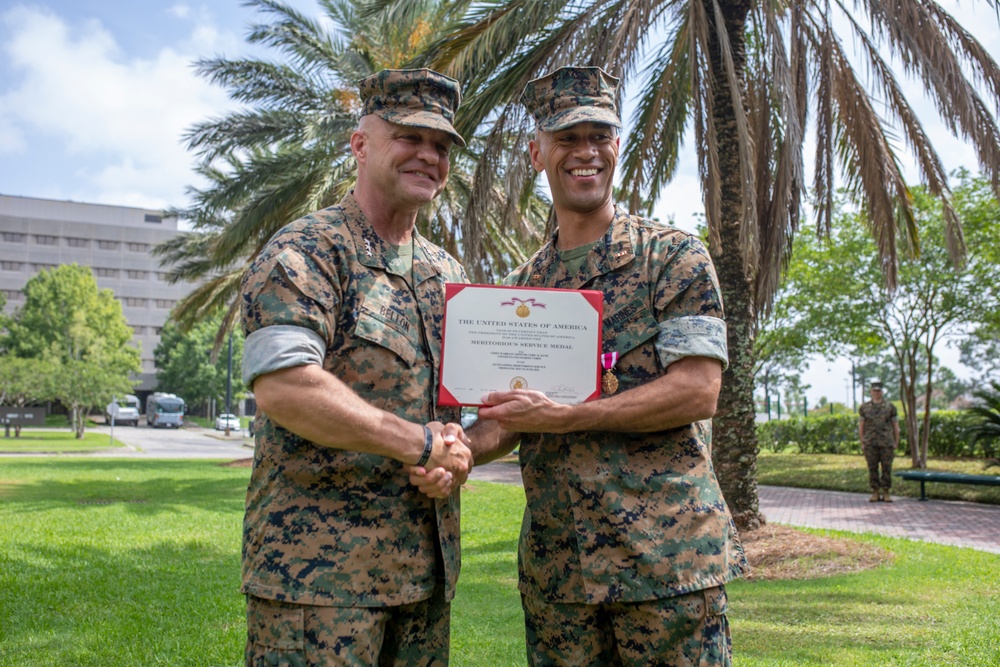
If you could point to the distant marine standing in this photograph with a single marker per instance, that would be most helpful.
(878, 430)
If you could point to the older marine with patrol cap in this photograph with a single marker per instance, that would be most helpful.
(627, 542)
(344, 561)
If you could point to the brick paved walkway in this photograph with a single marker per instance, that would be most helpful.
(941, 521)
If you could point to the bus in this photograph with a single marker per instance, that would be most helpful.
(164, 410)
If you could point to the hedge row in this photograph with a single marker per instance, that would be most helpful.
(838, 434)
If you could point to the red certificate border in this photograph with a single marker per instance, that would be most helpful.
(593, 297)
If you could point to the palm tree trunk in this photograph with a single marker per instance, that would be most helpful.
(734, 451)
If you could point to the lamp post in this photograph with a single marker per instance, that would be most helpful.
(854, 388)
(229, 383)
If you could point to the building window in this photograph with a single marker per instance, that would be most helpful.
(165, 303)
(139, 331)
(11, 266)
(77, 243)
(13, 237)
(12, 294)
(154, 218)
(136, 302)
(43, 267)
(138, 247)
(44, 239)
(106, 273)
(158, 330)
(108, 245)
(136, 275)
(161, 276)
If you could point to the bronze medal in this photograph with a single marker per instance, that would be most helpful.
(609, 383)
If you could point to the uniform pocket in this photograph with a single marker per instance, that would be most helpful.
(307, 276)
(628, 327)
(716, 601)
(381, 324)
(275, 632)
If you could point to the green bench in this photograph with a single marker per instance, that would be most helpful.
(924, 476)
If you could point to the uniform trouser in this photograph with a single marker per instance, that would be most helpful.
(878, 455)
(690, 629)
(291, 635)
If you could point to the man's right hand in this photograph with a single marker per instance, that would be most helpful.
(449, 464)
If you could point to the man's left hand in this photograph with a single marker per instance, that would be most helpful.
(524, 411)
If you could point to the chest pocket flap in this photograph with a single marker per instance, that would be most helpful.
(385, 326)
(629, 327)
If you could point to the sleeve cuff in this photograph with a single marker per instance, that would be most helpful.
(280, 346)
(694, 336)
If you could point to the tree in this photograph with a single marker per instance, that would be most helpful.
(780, 352)
(25, 381)
(190, 365)
(853, 311)
(82, 384)
(981, 349)
(67, 321)
(746, 75)
(288, 153)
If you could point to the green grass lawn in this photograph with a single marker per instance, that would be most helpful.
(134, 563)
(34, 441)
(848, 472)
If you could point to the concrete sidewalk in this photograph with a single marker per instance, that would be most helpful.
(942, 521)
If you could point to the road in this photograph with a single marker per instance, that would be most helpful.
(185, 443)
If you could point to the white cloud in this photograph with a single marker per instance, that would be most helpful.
(123, 115)
(179, 11)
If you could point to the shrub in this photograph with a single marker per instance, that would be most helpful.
(950, 435)
(829, 434)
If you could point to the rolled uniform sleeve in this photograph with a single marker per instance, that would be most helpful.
(695, 336)
(280, 346)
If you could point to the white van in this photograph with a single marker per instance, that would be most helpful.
(124, 410)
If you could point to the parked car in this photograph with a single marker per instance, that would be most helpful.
(224, 421)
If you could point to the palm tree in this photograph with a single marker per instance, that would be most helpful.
(287, 153)
(987, 429)
(749, 76)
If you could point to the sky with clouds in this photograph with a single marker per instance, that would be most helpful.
(95, 97)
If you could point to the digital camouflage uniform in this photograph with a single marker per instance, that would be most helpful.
(343, 559)
(330, 527)
(879, 443)
(627, 517)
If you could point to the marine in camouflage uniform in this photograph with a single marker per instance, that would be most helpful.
(626, 542)
(878, 430)
(344, 561)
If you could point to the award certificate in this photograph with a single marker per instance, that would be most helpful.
(503, 338)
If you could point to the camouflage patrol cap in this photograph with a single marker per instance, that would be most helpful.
(572, 95)
(413, 97)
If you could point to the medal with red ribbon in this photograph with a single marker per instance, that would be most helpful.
(609, 383)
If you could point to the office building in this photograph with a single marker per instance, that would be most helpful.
(114, 241)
